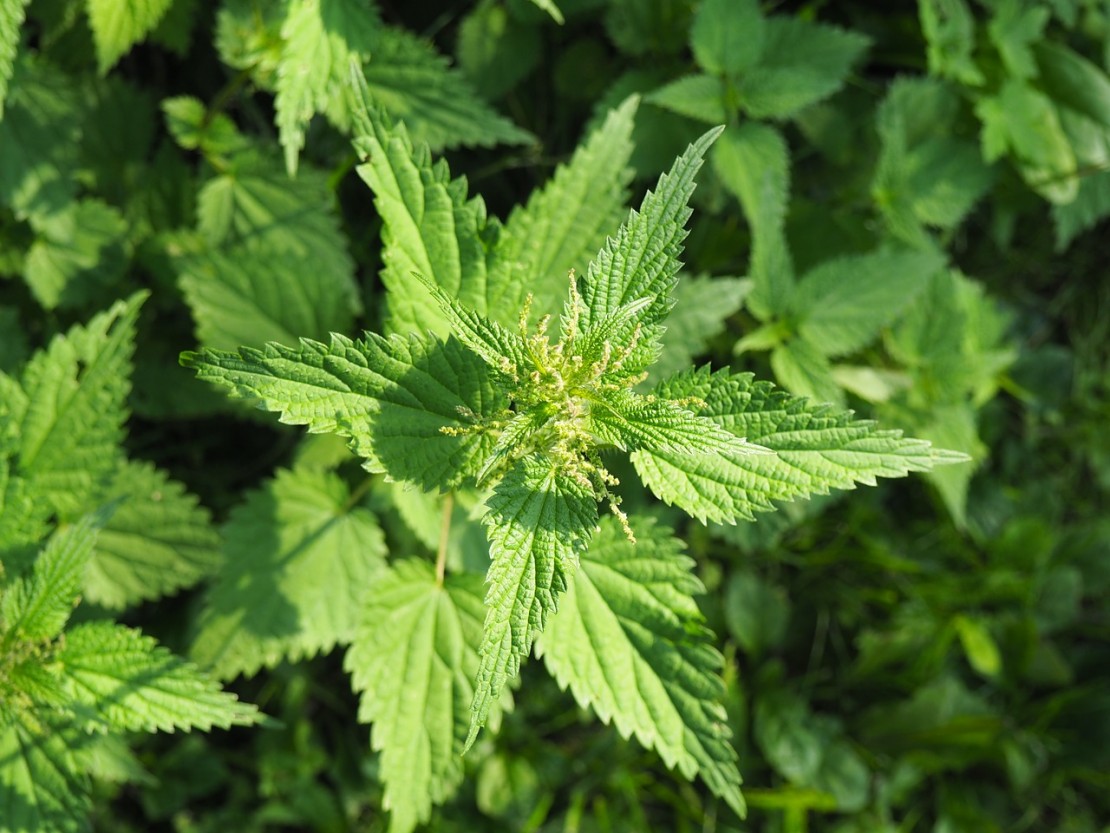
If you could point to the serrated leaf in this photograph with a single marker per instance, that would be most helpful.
(1015, 29)
(802, 367)
(753, 163)
(630, 642)
(390, 397)
(319, 38)
(11, 19)
(429, 228)
(539, 519)
(413, 658)
(564, 223)
(816, 448)
(641, 260)
(630, 421)
(156, 541)
(127, 682)
(299, 560)
(702, 305)
(76, 389)
(117, 25)
(842, 304)
(727, 36)
(36, 607)
(41, 788)
(700, 97)
(80, 255)
(949, 30)
(801, 62)
(417, 86)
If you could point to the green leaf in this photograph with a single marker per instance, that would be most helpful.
(756, 612)
(496, 49)
(816, 448)
(978, 644)
(76, 391)
(1090, 206)
(630, 642)
(36, 607)
(1015, 29)
(438, 105)
(127, 682)
(156, 541)
(413, 659)
(1022, 120)
(539, 520)
(79, 257)
(319, 38)
(801, 63)
(392, 398)
(429, 228)
(11, 19)
(702, 306)
(117, 25)
(950, 34)
(727, 36)
(41, 787)
(1073, 81)
(298, 561)
(842, 304)
(549, 7)
(564, 223)
(753, 163)
(803, 368)
(641, 260)
(700, 97)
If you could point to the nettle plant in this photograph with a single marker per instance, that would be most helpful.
(502, 379)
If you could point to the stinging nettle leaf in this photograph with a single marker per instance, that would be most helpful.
(11, 19)
(727, 36)
(117, 25)
(539, 520)
(630, 642)
(41, 786)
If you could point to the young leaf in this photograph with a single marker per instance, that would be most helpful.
(76, 390)
(11, 19)
(117, 25)
(156, 541)
(565, 223)
(630, 642)
(816, 448)
(127, 682)
(413, 658)
(539, 520)
(36, 607)
(641, 261)
(277, 596)
(391, 398)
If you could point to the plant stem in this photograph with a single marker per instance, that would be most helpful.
(444, 534)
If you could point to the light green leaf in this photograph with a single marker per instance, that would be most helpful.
(1015, 29)
(949, 30)
(842, 304)
(117, 25)
(391, 397)
(429, 228)
(641, 260)
(1073, 81)
(978, 644)
(80, 255)
(413, 658)
(630, 642)
(628, 420)
(298, 562)
(41, 787)
(126, 681)
(36, 607)
(816, 448)
(564, 223)
(802, 62)
(417, 86)
(702, 306)
(496, 49)
(803, 368)
(727, 36)
(156, 541)
(549, 7)
(76, 391)
(700, 97)
(1022, 121)
(319, 38)
(753, 163)
(539, 520)
(11, 19)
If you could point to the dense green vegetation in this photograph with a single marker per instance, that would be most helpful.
(902, 218)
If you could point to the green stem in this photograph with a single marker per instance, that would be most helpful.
(444, 535)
